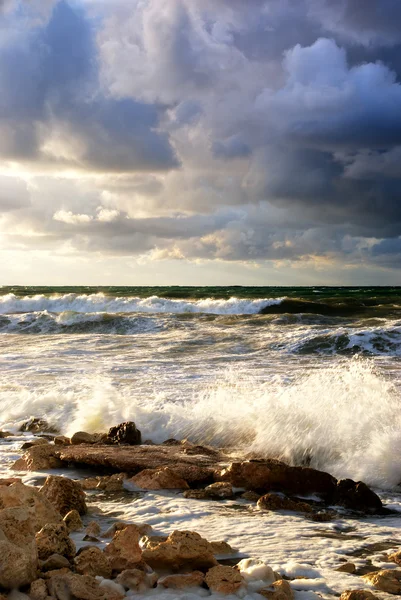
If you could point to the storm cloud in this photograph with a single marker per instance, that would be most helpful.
(261, 132)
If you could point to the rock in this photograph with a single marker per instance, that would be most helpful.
(55, 561)
(347, 568)
(125, 433)
(65, 494)
(40, 509)
(34, 425)
(196, 494)
(73, 521)
(280, 590)
(18, 554)
(10, 480)
(151, 541)
(159, 479)
(54, 539)
(92, 561)
(196, 450)
(112, 590)
(358, 595)
(395, 557)
(38, 458)
(251, 496)
(112, 483)
(71, 586)
(61, 440)
(220, 489)
(136, 580)
(221, 548)
(172, 442)
(93, 529)
(223, 580)
(193, 474)
(181, 582)
(323, 516)
(81, 437)
(32, 443)
(38, 590)
(357, 496)
(181, 549)
(278, 502)
(5, 434)
(124, 551)
(274, 475)
(388, 580)
(90, 538)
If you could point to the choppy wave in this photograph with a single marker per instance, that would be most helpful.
(345, 419)
(100, 303)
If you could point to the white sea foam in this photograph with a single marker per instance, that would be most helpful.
(94, 303)
(345, 419)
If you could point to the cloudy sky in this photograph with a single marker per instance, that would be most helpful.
(200, 142)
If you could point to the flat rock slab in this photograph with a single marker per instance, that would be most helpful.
(133, 459)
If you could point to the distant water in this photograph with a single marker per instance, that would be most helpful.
(308, 374)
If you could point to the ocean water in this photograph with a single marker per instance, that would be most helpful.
(308, 375)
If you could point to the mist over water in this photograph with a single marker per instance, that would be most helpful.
(306, 388)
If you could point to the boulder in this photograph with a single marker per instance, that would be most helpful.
(81, 437)
(220, 489)
(10, 480)
(196, 495)
(124, 551)
(54, 539)
(68, 586)
(61, 440)
(356, 496)
(125, 433)
(93, 529)
(279, 590)
(388, 580)
(73, 521)
(221, 548)
(18, 554)
(5, 434)
(159, 479)
(38, 458)
(223, 579)
(35, 425)
(55, 561)
(358, 595)
(182, 549)
(347, 568)
(182, 581)
(136, 580)
(92, 561)
(65, 494)
(278, 502)
(250, 496)
(32, 443)
(274, 475)
(40, 509)
(38, 590)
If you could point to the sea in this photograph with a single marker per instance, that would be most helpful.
(309, 375)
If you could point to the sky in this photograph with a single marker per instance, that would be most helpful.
(200, 142)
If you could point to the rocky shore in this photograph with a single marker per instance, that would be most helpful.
(39, 558)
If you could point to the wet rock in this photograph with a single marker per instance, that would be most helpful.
(388, 580)
(159, 479)
(55, 561)
(220, 489)
(124, 551)
(92, 561)
(323, 516)
(65, 494)
(35, 425)
(112, 483)
(143, 529)
(181, 582)
(347, 568)
(81, 437)
(40, 509)
(68, 586)
(18, 554)
(5, 434)
(395, 557)
(10, 480)
(193, 474)
(196, 494)
(223, 580)
(151, 541)
(54, 539)
(136, 580)
(172, 442)
(125, 433)
(274, 475)
(278, 502)
(90, 538)
(38, 590)
(279, 590)
(38, 458)
(93, 529)
(357, 496)
(32, 443)
(196, 450)
(358, 595)
(221, 548)
(73, 521)
(251, 496)
(181, 549)
(61, 440)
